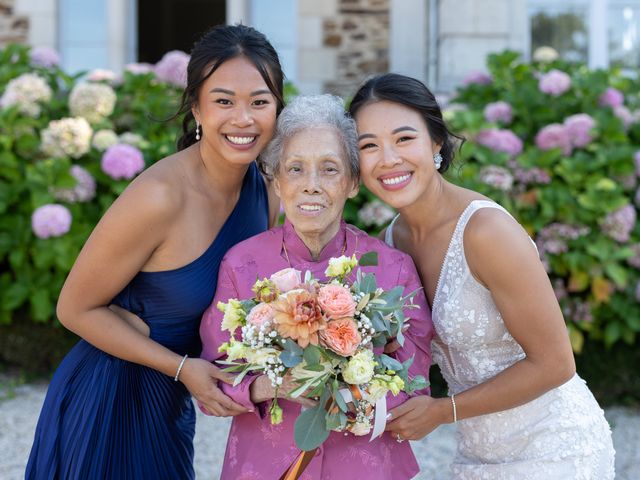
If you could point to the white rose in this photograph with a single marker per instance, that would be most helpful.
(360, 428)
(359, 369)
(376, 390)
(341, 266)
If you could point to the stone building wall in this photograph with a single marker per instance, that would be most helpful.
(341, 43)
(13, 27)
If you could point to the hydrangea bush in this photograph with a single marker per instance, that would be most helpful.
(559, 146)
(68, 146)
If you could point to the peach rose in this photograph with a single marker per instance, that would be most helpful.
(286, 279)
(336, 301)
(341, 336)
(259, 314)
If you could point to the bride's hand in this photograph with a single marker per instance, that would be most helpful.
(201, 379)
(418, 416)
(262, 391)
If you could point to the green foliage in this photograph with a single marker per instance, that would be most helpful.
(594, 272)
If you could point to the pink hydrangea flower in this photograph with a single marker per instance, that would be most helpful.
(139, 68)
(83, 191)
(497, 177)
(636, 160)
(624, 114)
(634, 261)
(553, 136)
(44, 57)
(579, 128)
(619, 224)
(554, 83)
(51, 220)
(479, 78)
(611, 98)
(122, 161)
(172, 68)
(498, 112)
(500, 140)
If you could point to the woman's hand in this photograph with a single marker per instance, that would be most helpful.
(393, 344)
(201, 379)
(418, 417)
(262, 391)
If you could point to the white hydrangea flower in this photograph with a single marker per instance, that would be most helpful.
(133, 139)
(67, 136)
(93, 101)
(545, 54)
(104, 139)
(26, 92)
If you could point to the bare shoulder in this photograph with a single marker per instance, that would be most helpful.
(158, 191)
(491, 228)
(493, 241)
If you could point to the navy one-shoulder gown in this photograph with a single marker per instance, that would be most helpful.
(106, 418)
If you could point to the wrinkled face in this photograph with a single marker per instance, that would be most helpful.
(313, 182)
(237, 111)
(396, 152)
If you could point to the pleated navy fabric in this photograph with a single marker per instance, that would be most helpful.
(106, 418)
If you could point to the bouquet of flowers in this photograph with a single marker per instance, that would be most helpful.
(323, 335)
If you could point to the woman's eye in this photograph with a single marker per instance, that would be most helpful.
(404, 139)
(260, 103)
(331, 170)
(368, 145)
(223, 101)
(294, 169)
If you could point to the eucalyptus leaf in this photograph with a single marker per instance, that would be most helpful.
(369, 259)
(390, 363)
(310, 429)
(311, 355)
(290, 359)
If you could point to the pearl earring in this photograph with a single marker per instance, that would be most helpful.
(437, 159)
(197, 130)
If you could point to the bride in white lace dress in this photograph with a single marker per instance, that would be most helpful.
(502, 345)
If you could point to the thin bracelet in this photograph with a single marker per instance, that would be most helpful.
(184, 359)
(453, 404)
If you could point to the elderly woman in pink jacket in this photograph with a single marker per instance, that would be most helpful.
(313, 159)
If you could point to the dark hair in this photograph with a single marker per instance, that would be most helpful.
(415, 95)
(222, 43)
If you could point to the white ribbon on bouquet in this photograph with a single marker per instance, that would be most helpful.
(380, 415)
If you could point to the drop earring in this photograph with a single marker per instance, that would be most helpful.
(197, 130)
(437, 159)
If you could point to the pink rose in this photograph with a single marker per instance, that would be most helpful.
(261, 313)
(286, 279)
(336, 301)
(341, 336)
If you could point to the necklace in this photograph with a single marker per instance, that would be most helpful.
(344, 247)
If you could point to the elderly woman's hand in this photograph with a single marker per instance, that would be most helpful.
(262, 391)
(418, 417)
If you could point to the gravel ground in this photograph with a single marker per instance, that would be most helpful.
(20, 405)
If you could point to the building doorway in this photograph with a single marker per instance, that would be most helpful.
(165, 25)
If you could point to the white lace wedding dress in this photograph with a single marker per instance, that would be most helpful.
(561, 435)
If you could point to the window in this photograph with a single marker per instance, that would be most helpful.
(601, 33)
(624, 34)
(563, 27)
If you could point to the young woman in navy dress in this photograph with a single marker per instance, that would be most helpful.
(119, 406)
